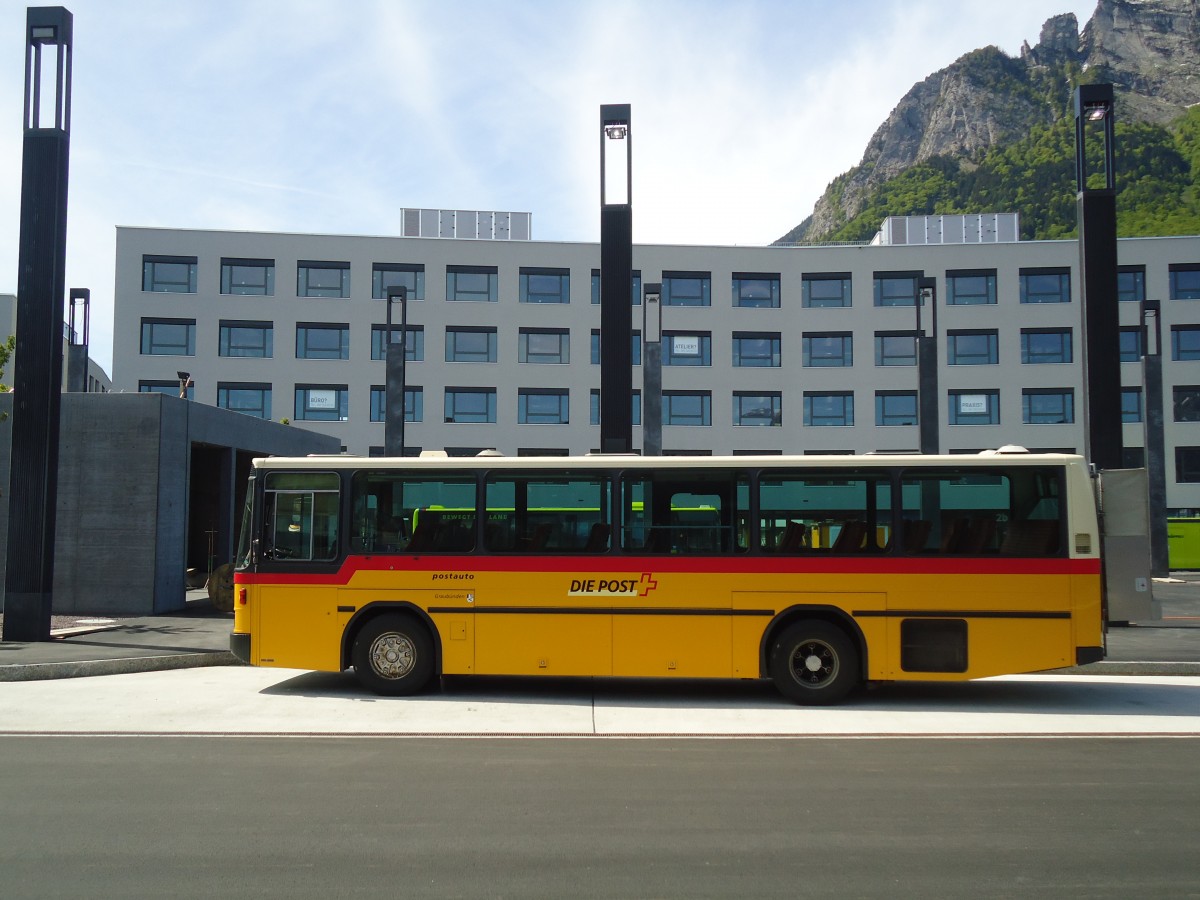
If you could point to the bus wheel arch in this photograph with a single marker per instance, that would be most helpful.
(393, 648)
(814, 655)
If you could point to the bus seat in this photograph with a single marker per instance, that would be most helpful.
(793, 537)
(916, 533)
(851, 537)
(1035, 537)
(980, 532)
(954, 536)
(540, 537)
(424, 537)
(597, 541)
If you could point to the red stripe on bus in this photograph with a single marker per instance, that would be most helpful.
(676, 565)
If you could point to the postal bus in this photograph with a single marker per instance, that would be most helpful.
(819, 573)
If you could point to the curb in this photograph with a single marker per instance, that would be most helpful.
(1130, 668)
(88, 668)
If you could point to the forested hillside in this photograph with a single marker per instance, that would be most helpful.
(1035, 176)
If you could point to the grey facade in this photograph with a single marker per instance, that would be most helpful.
(148, 486)
(507, 354)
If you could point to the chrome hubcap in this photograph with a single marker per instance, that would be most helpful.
(393, 655)
(814, 663)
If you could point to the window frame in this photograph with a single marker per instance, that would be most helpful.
(305, 268)
(563, 293)
(744, 299)
(153, 283)
(955, 297)
(148, 342)
(455, 355)
(956, 357)
(768, 401)
(305, 329)
(245, 288)
(673, 294)
(844, 300)
(457, 294)
(562, 416)
(829, 420)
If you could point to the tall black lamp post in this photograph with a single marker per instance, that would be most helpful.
(1097, 218)
(37, 371)
(616, 275)
(927, 372)
(394, 354)
(652, 370)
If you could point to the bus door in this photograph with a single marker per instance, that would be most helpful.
(547, 608)
(298, 545)
(673, 616)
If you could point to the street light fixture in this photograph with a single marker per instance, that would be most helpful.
(394, 387)
(927, 373)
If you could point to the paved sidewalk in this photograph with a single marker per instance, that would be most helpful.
(200, 637)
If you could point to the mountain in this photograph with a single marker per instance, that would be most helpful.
(994, 133)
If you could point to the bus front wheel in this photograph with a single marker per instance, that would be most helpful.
(393, 655)
(814, 663)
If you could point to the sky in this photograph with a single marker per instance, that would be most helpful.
(330, 116)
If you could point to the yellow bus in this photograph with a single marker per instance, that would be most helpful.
(819, 573)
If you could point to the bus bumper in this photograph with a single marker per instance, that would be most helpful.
(239, 646)
(1083, 655)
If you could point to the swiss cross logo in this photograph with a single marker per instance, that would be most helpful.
(647, 584)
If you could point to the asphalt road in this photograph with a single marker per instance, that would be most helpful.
(108, 816)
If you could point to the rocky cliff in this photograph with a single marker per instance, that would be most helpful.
(1149, 50)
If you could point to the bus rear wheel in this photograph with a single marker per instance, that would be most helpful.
(393, 655)
(814, 663)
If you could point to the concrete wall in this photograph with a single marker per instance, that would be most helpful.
(123, 489)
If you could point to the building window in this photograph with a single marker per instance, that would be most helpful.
(251, 399)
(686, 349)
(896, 288)
(322, 403)
(545, 346)
(169, 274)
(1045, 345)
(1187, 402)
(636, 411)
(170, 388)
(543, 406)
(247, 339)
(828, 349)
(545, 285)
(972, 348)
(1130, 343)
(756, 350)
(635, 287)
(465, 405)
(974, 408)
(687, 408)
(477, 283)
(895, 407)
(686, 289)
(823, 290)
(410, 276)
(414, 403)
(169, 337)
(1185, 342)
(757, 408)
(1048, 406)
(321, 341)
(1185, 281)
(414, 340)
(248, 277)
(1045, 285)
(322, 279)
(476, 345)
(1187, 465)
(831, 409)
(635, 349)
(756, 291)
(970, 287)
(1131, 405)
(895, 348)
(1131, 283)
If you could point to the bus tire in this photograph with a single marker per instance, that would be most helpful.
(393, 655)
(814, 663)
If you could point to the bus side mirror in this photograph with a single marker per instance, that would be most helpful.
(254, 551)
